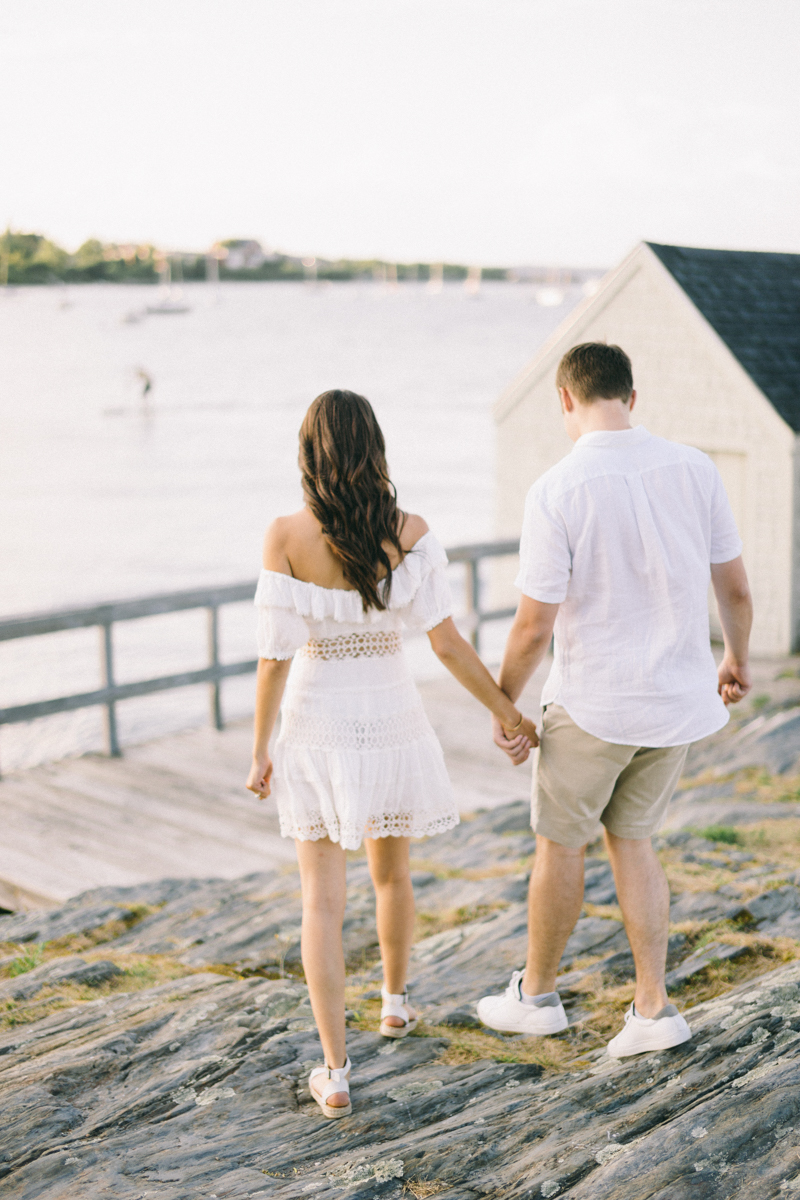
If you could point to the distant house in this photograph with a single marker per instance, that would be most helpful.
(244, 255)
(714, 336)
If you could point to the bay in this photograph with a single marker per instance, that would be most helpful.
(105, 494)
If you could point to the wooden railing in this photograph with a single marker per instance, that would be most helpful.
(471, 557)
(105, 616)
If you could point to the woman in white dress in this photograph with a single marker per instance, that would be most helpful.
(356, 757)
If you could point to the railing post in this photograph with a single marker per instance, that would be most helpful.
(107, 655)
(213, 661)
(473, 600)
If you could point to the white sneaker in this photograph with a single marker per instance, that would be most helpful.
(508, 1014)
(640, 1034)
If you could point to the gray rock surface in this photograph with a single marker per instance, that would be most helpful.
(703, 906)
(771, 740)
(61, 970)
(713, 952)
(197, 1087)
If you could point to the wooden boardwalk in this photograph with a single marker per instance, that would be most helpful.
(177, 806)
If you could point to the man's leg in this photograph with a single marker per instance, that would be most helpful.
(530, 1003)
(633, 814)
(643, 894)
(555, 897)
(575, 779)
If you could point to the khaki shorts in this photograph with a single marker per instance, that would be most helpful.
(581, 780)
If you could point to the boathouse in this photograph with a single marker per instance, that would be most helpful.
(714, 336)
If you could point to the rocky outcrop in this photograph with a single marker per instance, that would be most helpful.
(198, 1087)
(156, 1041)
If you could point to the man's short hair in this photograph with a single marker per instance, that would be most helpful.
(595, 371)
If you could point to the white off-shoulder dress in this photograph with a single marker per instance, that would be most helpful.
(356, 755)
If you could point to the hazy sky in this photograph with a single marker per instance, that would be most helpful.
(504, 131)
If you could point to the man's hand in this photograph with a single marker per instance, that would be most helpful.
(736, 616)
(518, 746)
(259, 779)
(735, 680)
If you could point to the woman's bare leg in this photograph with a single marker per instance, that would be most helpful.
(323, 873)
(394, 910)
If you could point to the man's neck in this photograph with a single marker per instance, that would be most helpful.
(605, 415)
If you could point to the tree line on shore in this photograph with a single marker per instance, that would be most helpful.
(31, 258)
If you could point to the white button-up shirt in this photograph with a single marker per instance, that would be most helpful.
(621, 533)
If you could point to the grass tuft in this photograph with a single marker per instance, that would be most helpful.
(428, 923)
(31, 956)
(722, 833)
(463, 1046)
(139, 971)
(422, 1188)
(76, 943)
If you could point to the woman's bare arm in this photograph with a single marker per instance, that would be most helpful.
(272, 673)
(271, 679)
(461, 661)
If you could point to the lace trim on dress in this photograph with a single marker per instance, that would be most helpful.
(349, 835)
(355, 645)
(301, 728)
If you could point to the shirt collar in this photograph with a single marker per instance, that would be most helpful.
(617, 439)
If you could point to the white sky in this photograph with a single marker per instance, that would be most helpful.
(490, 131)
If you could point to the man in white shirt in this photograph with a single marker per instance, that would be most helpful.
(618, 544)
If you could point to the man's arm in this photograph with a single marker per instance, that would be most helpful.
(735, 604)
(527, 645)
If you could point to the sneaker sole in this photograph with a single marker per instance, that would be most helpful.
(557, 1027)
(655, 1044)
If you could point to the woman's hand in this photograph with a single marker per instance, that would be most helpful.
(528, 730)
(258, 780)
(518, 744)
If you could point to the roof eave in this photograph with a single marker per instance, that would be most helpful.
(564, 336)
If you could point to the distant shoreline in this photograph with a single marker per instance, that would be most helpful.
(31, 260)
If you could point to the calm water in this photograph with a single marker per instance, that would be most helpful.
(103, 497)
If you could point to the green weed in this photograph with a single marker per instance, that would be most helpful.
(722, 833)
(31, 957)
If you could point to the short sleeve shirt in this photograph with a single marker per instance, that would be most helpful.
(622, 534)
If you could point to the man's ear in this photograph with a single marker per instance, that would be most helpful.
(632, 400)
(567, 401)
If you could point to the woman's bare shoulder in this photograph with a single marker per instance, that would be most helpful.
(414, 527)
(278, 540)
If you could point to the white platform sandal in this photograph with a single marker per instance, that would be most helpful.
(338, 1080)
(396, 1006)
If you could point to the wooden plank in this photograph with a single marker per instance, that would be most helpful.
(177, 806)
(92, 822)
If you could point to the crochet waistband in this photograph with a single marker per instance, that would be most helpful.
(364, 644)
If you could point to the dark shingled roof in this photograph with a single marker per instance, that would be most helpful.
(753, 302)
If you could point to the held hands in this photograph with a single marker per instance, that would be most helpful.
(735, 681)
(518, 744)
(258, 780)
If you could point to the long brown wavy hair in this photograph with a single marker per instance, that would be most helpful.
(346, 485)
